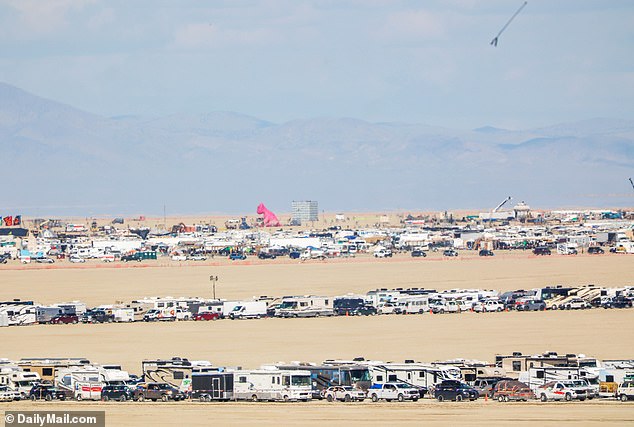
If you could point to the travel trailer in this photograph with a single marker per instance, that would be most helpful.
(413, 373)
(19, 312)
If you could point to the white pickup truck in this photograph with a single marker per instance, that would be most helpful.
(393, 391)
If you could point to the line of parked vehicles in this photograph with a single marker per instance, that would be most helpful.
(376, 302)
(512, 377)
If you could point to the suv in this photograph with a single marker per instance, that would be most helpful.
(621, 302)
(132, 257)
(46, 392)
(4, 257)
(237, 255)
(97, 316)
(450, 252)
(595, 250)
(560, 390)
(364, 310)
(574, 304)
(64, 318)
(157, 391)
(266, 255)
(541, 251)
(418, 253)
(206, 315)
(455, 390)
(486, 252)
(382, 253)
(488, 306)
(116, 392)
(531, 305)
(625, 391)
(344, 393)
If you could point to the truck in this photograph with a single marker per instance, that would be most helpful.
(567, 249)
(168, 314)
(393, 391)
(248, 310)
(80, 383)
(272, 385)
(305, 306)
(123, 314)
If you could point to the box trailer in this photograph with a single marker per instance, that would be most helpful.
(208, 386)
(123, 314)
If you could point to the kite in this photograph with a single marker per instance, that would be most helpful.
(494, 42)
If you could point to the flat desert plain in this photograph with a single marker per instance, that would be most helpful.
(250, 343)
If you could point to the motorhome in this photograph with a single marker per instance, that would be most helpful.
(332, 373)
(47, 368)
(175, 371)
(15, 379)
(413, 305)
(272, 384)
(81, 383)
(305, 306)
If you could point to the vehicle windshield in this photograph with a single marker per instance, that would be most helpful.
(402, 386)
(164, 386)
(303, 380)
(359, 375)
(288, 304)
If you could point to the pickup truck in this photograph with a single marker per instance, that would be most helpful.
(445, 307)
(157, 391)
(393, 391)
(166, 314)
(382, 253)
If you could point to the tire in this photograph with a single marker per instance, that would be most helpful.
(48, 397)
(568, 397)
(141, 398)
(400, 398)
(499, 309)
(543, 398)
(374, 398)
(33, 398)
(329, 398)
(254, 398)
(122, 398)
(458, 398)
(286, 399)
(500, 398)
(440, 398)
(506, 398)
(105, 398)
(623, 398)
(79, 398)
(165, 398)
(442, 311)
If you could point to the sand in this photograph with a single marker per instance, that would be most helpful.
(249, 343)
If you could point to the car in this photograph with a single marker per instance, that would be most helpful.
(197, 257)
(65, 319)
(620, 302)
(7, 395)
(4, 258)
(530, 305)
(97, 316)
(157, 391)
(583, 384)
(507, 390)
(44, 260)
(485, 385)
(364, 310)
(625, 391)
(266, 255)
(382, 253)
(179, 257)
(116, 392)
(294, 254)
(455, 390)
(442, 307)
(393, 391)
(574, 304)
(237, 255)
(386, 308)
(595, 250)
(486, 252)
(541, 250)
(131, 257)
(559, 390)
(344, 394)
(450, 252)
(76, 259)
(488, 306)
(418, 253)
(46, 392)
(207, 315)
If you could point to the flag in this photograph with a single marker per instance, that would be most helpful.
(8, 221)
(17, 220)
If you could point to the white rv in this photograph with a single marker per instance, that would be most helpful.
(536, 377)
(413, 373)
(19, 314)
(306, 306)
(81, 383)
(272, 384)
(15, 379)
(248, 310)
(413, 305)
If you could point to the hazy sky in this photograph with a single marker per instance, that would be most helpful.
(378, 60)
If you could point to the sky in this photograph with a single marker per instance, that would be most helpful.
(279, 60)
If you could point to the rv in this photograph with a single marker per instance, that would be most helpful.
(47, 368)
(46, 314)
(412, 305)
(123, 314)
(307, 306)
(75, 307)
(112, 374)
(175, 371)
(333, 373)
(412, 373)
(272, 384)
(81, 383)
(15, 379)
(536, 377)
(19, 312)
(208, 386)
(248, 310)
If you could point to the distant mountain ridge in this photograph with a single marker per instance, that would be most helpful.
(64, 161)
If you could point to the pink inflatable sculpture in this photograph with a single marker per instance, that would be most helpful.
(270, 220)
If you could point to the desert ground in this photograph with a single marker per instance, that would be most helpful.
(250, 343)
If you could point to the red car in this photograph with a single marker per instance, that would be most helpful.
(207, 316)
(65, 318)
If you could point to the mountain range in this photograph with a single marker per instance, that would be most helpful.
(59, 160)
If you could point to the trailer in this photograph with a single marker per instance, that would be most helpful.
(248, 310)
(123, 314)
(47, 368)
(176, 371)
(45, 314)
(272, 385)
(208, 386)
(19, 314)
(305, 306)
(536, 377)
(412, 373)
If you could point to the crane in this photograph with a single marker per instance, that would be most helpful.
(494, 42)
(632, 182)
(505, 201)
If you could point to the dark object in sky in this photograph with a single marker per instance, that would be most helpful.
(632, 182)
(494, 42)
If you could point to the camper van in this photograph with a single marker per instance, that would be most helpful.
(272, 385)
(306, 306)
(248, 310)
